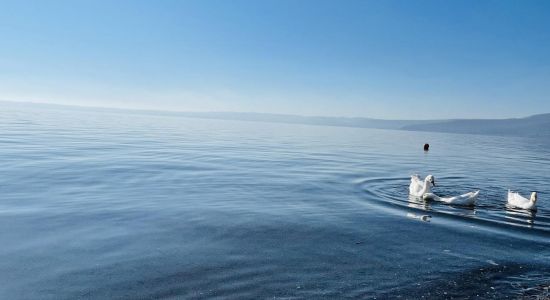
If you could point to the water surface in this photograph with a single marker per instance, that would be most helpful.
(114, 204)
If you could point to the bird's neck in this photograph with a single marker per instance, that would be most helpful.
(426, 188)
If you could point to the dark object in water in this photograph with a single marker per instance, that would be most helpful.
(426, 147)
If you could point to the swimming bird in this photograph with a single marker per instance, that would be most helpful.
(467, 199)
(517, 200)
(418, 187)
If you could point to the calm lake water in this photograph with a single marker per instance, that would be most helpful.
(114, 204)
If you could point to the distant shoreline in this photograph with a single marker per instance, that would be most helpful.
(531, 126)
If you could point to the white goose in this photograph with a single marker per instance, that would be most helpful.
(467, 199)
(418, 187)
(517, 200)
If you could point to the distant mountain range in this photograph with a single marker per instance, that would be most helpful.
(537, 125)
(295, 119)
(533, 126)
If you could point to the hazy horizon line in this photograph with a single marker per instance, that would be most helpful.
(142, 109)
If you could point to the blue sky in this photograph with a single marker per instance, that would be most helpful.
(382, 59)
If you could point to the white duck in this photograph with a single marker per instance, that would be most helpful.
(467, 199)
(517, 200)
(418, 187)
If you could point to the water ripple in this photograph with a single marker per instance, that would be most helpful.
(490, 208)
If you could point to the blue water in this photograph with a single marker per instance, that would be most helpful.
(99, 204)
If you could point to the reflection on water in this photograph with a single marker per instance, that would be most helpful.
(112, 204)
(491, 210)
(418, 202)
(425, 218)
(520, 217)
